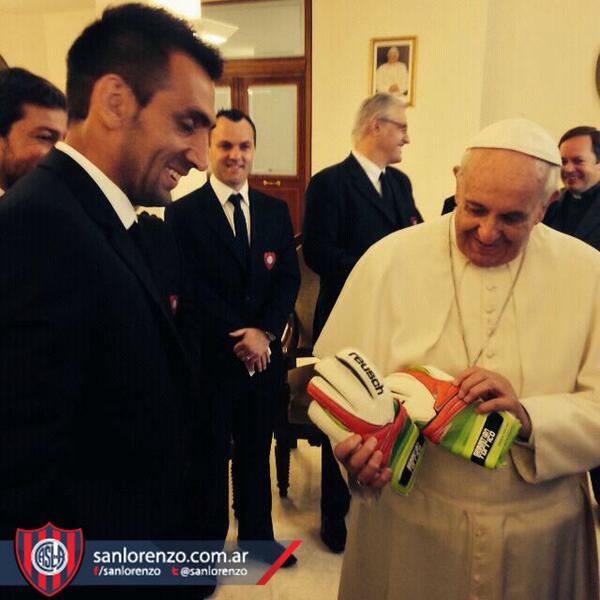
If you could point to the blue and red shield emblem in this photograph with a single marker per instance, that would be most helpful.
(49, 557)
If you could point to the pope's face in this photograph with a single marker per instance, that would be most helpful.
(580, 168)
(500, 197)
(393, 55)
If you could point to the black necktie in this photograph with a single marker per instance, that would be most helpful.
(135, 232)
(387, 197)
(138, 235)
(241, 230)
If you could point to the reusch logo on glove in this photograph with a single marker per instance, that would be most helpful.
(362, 363)
(350, 395)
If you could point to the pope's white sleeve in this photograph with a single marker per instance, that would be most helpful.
(566, 426)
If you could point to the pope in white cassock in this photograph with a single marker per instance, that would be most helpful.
(511, 309)
(392, 76)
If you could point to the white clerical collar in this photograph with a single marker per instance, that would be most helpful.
(117, 198)
(223, 191)
(461, 261)
(372, 170)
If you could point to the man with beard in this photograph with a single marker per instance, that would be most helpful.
(33, 117)
(99, 425)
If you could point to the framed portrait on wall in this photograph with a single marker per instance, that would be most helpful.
(598, 75)
(393, 66)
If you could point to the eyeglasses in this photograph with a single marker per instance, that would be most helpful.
(402, 126)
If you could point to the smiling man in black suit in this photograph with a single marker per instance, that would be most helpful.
(33, 117)
(349, 207)
(244, 278)
(99, 427)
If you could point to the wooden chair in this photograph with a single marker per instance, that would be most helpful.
(293, 424)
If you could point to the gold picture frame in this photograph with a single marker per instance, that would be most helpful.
(392, 63)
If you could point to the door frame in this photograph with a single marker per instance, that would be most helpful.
(237, 72)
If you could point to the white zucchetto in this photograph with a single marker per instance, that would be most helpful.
(520, 135)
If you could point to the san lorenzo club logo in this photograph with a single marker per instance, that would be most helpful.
(49, 557)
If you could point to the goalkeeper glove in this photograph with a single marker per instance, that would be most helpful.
(351, 397)
(445, 419)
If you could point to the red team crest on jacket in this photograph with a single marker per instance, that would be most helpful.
(270, 259)
(49, 557)
(173, 303)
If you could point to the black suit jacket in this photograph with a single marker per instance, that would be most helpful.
(161, 251)
(98, 428)
(345, 216)
(588, 229)
(449, 205)
(222, 295)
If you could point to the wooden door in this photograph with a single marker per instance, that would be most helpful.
(273, 93)
(276, 107)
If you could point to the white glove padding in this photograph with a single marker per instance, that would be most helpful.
(445, 419)
(350, 397)
(356, 386)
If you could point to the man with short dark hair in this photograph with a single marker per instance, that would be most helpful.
(100, 427)
(244, 278)
(349, 207)
(32, 119)
(577, 211)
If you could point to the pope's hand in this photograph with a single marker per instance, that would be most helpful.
(496, 393)
(350, 397)
(363, 462)
(451, 418)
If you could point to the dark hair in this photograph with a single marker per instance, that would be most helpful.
(584, 130)
(133, 41)
(235, 115)
(18, 87)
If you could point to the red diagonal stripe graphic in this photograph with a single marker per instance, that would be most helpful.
(277, 564)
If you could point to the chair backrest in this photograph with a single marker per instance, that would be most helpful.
(305, 304)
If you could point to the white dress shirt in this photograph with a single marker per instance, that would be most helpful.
(372, 170)
(223, 191)
(118, 200)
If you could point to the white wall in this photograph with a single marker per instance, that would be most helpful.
(40, 42)
(477, 61)
(23, 42)
(541, 61)
(448, 83)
